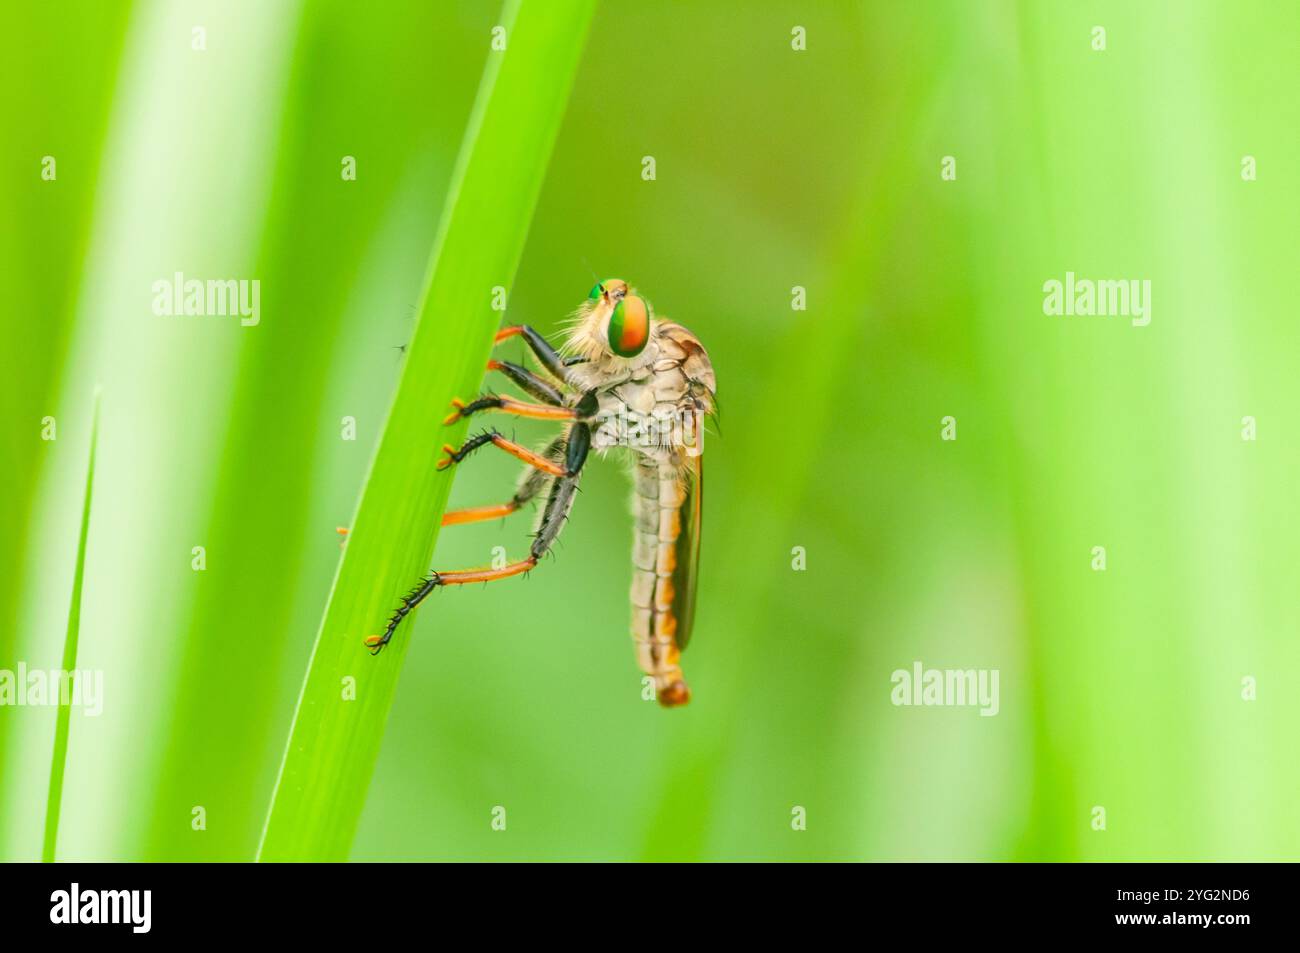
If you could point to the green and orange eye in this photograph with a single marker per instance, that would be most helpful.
(629, 326)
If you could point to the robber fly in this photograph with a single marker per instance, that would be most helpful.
(626, 380)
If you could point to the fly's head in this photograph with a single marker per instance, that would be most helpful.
(614, 322)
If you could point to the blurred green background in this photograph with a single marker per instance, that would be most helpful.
(775, 168)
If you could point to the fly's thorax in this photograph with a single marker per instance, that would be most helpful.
(654, 415)
(653, 403)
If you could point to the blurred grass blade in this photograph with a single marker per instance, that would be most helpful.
(69, 658)
(346, 697)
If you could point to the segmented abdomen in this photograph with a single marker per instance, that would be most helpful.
(657, 504)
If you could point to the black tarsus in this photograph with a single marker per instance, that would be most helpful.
(409, 602)
(586, 408)
(486, 402)
(577, 445)
(472, 444)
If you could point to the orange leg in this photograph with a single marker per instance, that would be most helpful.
(531, 483)
(476, 514)
(508, 405)
(462, 576)
(575, 445)
(473, 514)
(509, 446)
(459, 578)
(540, 463)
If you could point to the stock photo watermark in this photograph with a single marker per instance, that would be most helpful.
(660, 430)
(220, 297)
(131, 908)
(946, 688)
(1103, 298)
(37, 687)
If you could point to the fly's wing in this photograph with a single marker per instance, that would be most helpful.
(687, 564)
(681, 349)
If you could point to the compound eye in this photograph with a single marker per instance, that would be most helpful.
(629, 326)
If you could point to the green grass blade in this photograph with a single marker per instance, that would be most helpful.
(69, 659)
(44, 250)
(335, 737)
(284, 481)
